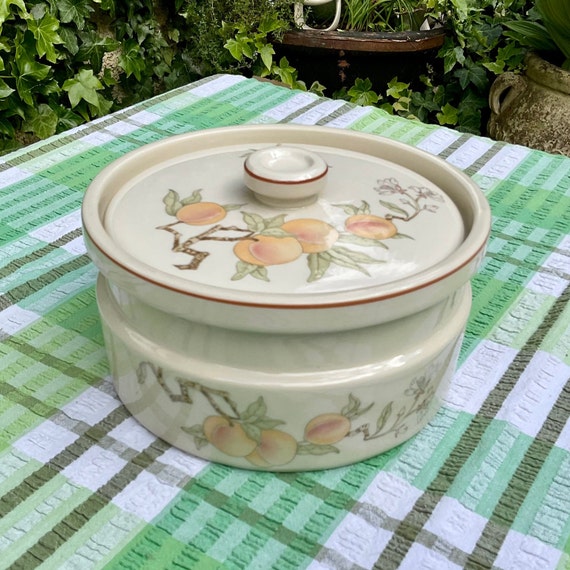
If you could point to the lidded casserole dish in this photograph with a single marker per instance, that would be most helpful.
(283, 297)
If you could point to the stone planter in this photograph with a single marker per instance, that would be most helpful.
(532, 109)
(338, 58)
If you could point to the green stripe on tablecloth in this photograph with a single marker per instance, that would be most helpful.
(409, 528)
(33, 482)
(72, 522)
(557, 340)
(61, 274)
(483, 477)
(518, 487)
(545, 512)
(32, 251)
(220, 499)
(52, 502)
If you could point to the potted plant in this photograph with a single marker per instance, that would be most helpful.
(338, 41)
(533, 108)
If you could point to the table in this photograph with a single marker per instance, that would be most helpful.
(485, 485)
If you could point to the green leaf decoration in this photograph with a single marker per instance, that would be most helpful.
(254, 222)
(268, 423)
(45, 33)
(275, 222)
(364, 242)
(318, 265)
(394, 208)
(83, 87)
(172, 202)
(244, 269)
(252, 431)
(314, 449)
(196, 429)
(194, 198)
(384, 416)
(364, 208)
(256, 409)
(352, 406)
(349, 209)
(230, 207)
(275, 232)
(260, 273)
(402, 236)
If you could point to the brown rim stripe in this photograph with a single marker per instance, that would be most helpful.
(285, 182)
(290, 307)
(409, 529)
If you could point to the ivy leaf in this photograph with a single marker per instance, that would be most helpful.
(29, 74)
(6, 10)
(94, 47)
(172, 202)
(132, 60)
(69, 39)
(42, 121)
(76, 11)
(448, 115)
(45, 33)
(5, 89)
(83, 87)
(266, 52)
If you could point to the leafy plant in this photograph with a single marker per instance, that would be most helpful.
(546, 29)
(63, 63)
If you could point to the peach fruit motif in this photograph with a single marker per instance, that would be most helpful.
(268, 250)
(327, 429)
(315, 236)
(275, 448)
(201, 213)
(370, 226)
(229, 438)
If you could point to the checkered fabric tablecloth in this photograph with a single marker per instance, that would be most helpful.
(83, 486)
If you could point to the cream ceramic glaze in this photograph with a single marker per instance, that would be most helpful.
(394, 230)
(281, 402)
(285, 176)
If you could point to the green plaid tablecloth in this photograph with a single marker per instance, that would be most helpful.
(485, 485)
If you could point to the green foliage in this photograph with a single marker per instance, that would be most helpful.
(545, 29)
(66, 62)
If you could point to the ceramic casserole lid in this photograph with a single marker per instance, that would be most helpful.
(284, 217)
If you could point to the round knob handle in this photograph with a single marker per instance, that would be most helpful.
(285, 176)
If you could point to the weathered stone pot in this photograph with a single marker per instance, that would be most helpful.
(532, 109)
